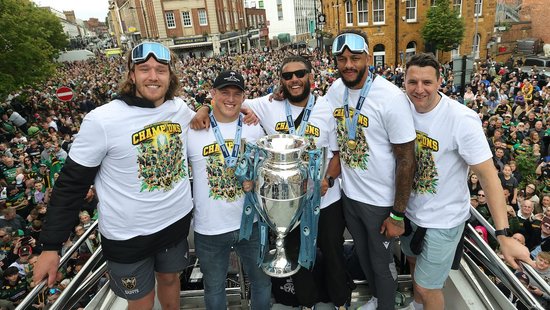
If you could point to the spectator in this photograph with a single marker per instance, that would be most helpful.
(14, 287)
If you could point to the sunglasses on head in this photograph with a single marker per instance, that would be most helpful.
(141, 52)
(354, 42)
(298, 73)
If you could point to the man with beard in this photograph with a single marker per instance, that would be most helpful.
(376, 142)
(143, 223)
(301, 114)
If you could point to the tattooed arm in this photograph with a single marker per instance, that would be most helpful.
(404, 174)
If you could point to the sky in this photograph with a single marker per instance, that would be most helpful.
(83, 9)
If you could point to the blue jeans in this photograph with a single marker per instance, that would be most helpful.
(213, 253)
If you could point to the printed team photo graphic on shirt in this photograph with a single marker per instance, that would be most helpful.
(358, 157)
(222, 182)
(160, 159)
(426, 176)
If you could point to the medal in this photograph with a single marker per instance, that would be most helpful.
(352, 144)
(231, 171)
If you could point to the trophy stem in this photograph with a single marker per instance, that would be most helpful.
(276, 263)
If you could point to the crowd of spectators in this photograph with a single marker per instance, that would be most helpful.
(37, 129)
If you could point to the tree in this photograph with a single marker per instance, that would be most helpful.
(30, 39)
(444, 28)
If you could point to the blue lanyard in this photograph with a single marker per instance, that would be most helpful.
(351, 124)
(230, 159)
(305, 118)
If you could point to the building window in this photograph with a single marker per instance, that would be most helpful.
(455, 53)
(362, 12)
(170, 20)
(203, 20)
(379, 55)
(478, 7)
(432, 2)
(349, 14)
(410, 50)
(378, 14)
(280, 9)
(186, 19)
(411, 10)
(457, 5)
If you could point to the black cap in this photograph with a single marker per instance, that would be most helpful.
(229, 78)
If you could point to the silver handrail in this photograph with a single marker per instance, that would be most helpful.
(492, 262)
(27, 301)
(526, 267)
(80, 284)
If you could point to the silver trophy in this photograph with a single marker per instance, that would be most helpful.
(280, 187)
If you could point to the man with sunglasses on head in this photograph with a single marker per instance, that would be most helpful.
(375, 134)
(133, 150)
(304, 115)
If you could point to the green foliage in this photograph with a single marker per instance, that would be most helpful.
(527, 164)
(443, 27)
(30, 38)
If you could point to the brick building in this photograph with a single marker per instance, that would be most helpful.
(196, 27)
(394, 27)
(536, 11)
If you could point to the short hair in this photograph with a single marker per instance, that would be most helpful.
(296, 58)
(544, 255)
(424, 60)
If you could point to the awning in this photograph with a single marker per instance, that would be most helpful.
(191, 45)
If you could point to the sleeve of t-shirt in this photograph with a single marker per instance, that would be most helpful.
(398, 120)
(471, 141)
(90, 145)
(260, 106)
(330, 122)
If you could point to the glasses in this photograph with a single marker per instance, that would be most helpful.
(354, 42)
(54, 291)
(480, 195)
(298, 73)
(141, 52)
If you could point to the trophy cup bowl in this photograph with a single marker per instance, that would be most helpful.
(280, 188)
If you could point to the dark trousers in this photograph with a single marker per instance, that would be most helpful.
(373, 249)
(330, 239)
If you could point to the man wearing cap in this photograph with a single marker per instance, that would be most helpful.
(311, 118)
(133, 150)
(375, 134)
(219, 197)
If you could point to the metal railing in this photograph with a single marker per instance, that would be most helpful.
(73, 287)
(475, 245)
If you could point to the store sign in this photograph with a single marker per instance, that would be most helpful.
(189, 40)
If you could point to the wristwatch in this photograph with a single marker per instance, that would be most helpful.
(330, 181)
(503, 232)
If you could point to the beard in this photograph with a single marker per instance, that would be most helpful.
(299, 97)
(351, 84)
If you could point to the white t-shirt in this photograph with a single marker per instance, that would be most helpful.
(218, 196)
(368, 172)
(318, 133)
(449, 139)
(143, 181)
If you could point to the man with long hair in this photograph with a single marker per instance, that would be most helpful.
(133, 150)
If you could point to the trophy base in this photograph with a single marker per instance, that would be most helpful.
(278, 266)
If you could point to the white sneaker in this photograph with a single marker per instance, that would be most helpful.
(411, 307)
(372, 304)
